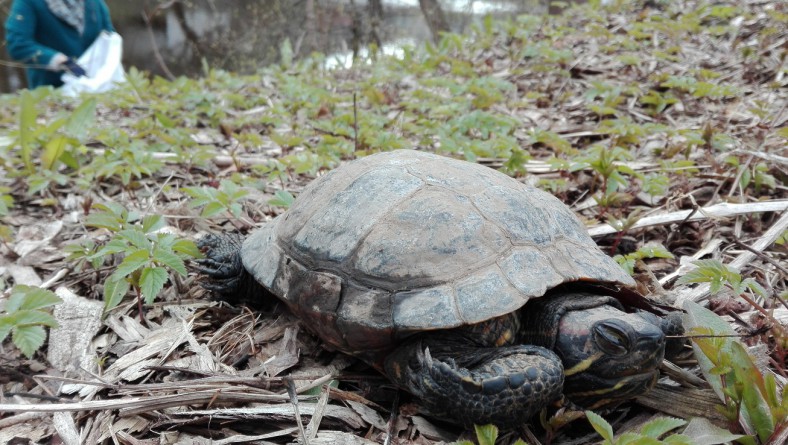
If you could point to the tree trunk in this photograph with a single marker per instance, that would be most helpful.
(436, 19)
(375, 18)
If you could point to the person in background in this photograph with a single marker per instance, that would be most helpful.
(48, 36)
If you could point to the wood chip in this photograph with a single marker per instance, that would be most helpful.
(66, 428)
(79, 320)
(339, 437)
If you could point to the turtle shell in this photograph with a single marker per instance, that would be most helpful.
(406, 241)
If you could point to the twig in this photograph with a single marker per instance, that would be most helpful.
(20, 418)
(714, 211)
(355, 124)
(317, 417)
(701, 291)
(392, 423)
(54, 278)
(291, 391)
(154, 46)
(135, 405)
(760, 255)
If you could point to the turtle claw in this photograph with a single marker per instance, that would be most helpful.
(220, 286)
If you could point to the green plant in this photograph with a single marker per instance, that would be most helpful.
(649, 433)
(486, 435)
(654, 184)
(757, 175)
(629, 260)
(57, 140)
(128, 160)
(699, 89)
(214, 200)
(657, 102)
(610, 96)
(751, 396)
(6, 202)
(282, 198)
(24, 317)
(609, 165)
(717, 275)
(150, 254)
(654, 432)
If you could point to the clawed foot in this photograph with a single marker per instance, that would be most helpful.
(222, 263)
(509, 385)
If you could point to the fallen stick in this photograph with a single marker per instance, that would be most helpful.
(144, 404)
(721, 210)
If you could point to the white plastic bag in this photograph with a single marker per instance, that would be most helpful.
(102, 63)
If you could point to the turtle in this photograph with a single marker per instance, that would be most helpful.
(480, 295)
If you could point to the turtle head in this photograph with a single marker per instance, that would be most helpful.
(609, 355)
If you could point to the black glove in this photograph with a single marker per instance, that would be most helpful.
(73, 68)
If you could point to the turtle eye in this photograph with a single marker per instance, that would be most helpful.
(611, 338)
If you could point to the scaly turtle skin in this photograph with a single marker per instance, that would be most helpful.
(480, 295)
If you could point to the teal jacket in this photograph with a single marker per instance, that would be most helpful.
(34, 35)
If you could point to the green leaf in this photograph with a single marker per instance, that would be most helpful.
(135, 238)
(5, 328)
(170, 260)
(286, 53)
(678, 439)
(600, 426)
(131, 263)
(701, 320)
(631, 438)
(702, 432)
(486, 434)
(17, 298)
(27, 125)
(114, 291)
(713, 272)
(30, 297)
(104, 220)
(754, 409)
(282, 198)
(32, 317)
(81, 119)
(152, 223)
(212, 209)
(165, 121)
(187, 248)
(660, 426)
(151, 282)
(29, 338)
(53, 150)
(117, 245)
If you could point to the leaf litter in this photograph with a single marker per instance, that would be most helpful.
(694, 94)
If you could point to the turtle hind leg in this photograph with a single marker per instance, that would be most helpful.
(505, 385)
(222, 266)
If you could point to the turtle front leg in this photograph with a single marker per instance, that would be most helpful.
(504, 385)
(222, 264)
